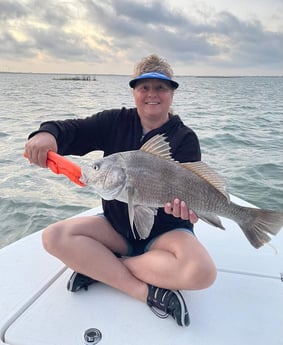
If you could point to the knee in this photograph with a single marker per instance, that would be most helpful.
(200, 275)
(51, 238)
(207, 276)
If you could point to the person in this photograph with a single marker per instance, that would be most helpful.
(102, 247)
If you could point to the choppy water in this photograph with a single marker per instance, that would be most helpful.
(239, 122)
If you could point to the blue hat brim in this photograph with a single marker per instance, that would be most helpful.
(153, 75)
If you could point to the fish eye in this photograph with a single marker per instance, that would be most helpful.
(96, 167)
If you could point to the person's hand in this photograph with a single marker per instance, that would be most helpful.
(180, 209)
(37, 147)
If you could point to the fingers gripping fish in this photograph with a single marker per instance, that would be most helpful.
(148, 178)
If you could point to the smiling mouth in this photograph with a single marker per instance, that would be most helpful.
(152, 103)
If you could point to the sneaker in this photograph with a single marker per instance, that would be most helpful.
(79, 281)
(171, 302)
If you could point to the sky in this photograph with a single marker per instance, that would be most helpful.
(220, 37)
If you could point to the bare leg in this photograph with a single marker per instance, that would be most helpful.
(176, 260)
(86, 245)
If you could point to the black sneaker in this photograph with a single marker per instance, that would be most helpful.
(79, 281)
(171, 302)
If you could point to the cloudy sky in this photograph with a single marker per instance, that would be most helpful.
(220, 37)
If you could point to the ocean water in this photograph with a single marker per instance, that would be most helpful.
(239, 122)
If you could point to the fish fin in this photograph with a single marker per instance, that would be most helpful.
(143, 220)
(212, 219)
(131, 209)
(158, 146)
(259, 223)
(208, 174)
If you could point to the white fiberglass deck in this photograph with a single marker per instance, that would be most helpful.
(244, 306)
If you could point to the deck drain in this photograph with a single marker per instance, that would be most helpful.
(92, 336)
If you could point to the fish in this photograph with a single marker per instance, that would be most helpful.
(148, 178)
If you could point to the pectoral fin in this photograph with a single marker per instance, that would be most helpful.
(131, 209)
(143, 220)
(141, 216)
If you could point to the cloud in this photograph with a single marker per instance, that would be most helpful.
(225, 39)
(67, 46)
(247, 42)
(145, 28)
(26, 35)
(95, 31)
(11, 9)
(9, 45)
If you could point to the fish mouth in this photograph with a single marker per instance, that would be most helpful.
(84, 178)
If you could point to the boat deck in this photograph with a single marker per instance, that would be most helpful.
(244, 306)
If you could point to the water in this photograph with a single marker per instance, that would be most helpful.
(239, 122)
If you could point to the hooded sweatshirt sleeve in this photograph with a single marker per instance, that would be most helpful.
(80, 136)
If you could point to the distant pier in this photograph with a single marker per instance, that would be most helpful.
(77, 78)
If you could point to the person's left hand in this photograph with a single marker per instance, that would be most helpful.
(180, 209)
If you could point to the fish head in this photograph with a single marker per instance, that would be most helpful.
(106, 176)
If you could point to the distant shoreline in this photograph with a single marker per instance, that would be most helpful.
(76, 75)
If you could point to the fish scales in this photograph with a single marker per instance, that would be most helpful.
(148, 178)
(158, 181)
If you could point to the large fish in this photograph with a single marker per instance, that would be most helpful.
(148, 178)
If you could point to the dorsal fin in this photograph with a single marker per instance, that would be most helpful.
(208, 174)
(158, 146)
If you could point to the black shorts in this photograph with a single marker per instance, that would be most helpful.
(138, 247)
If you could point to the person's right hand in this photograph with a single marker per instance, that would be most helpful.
(37, 147)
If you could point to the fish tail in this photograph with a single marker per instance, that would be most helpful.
(259, 223)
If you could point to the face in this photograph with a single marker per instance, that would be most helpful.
(153, 98)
